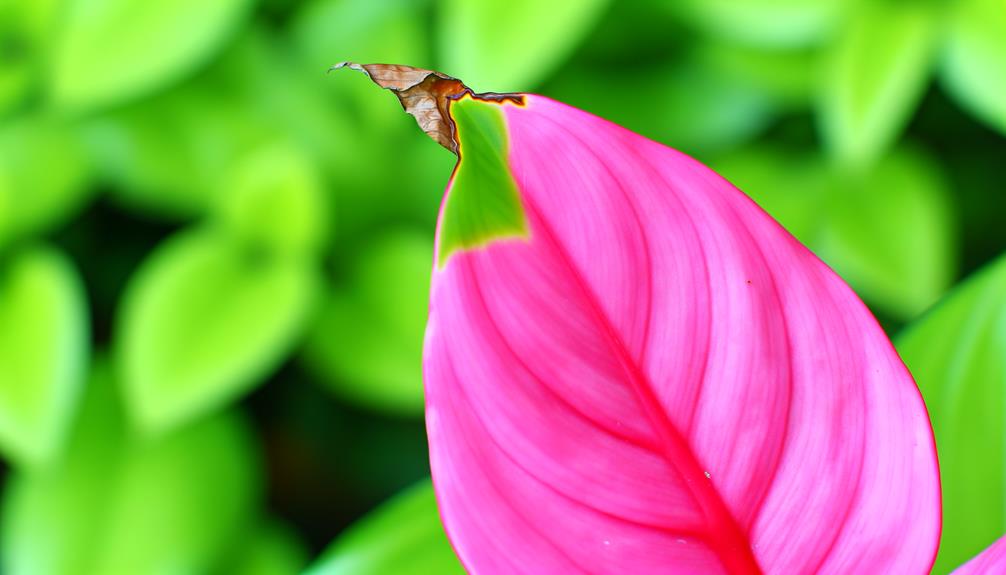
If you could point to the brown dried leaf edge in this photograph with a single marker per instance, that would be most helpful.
(426, 95)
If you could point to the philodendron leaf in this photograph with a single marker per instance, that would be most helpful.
(203, 321)
(43, 176)
(656, 377)
(402, 537)
(973, 60)
(43, 352)
(111, 51)
(513, 44)
(874, 76)
(273, 549)
(888, 231)
(958, 354)
(367, 342)
(114, 505)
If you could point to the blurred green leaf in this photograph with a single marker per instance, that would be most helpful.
(973, 63)
(353, 126)
(688, 105)
(115, 505)
(511, 46)
(889, 232)
(788, 77)
(791, 186)
(169, 155)
(376, 195)
(391, 31)
(874, 76)
(769, 23)
(44, 174)
(367, 342)
(16, 72)
(25, 30)
(346, 138)
(402, 537)
(273, 549)
(43, 352)
(111, 51)
(330, 31)
(275, 203)
(15, 80)
(296, 100)
(957, 354)
(706, 110)
(203, 321)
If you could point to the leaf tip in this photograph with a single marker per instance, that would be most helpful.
(426, 95)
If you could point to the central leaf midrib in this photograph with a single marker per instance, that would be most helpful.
(733, 548)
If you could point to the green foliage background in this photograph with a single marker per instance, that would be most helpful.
(214, 258)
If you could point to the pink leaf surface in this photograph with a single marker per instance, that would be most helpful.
(992, 561)
(660, 379)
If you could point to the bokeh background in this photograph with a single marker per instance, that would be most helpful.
(214, 257)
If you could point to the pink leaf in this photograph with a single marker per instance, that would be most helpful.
(659, 378)
(990, 561)
(631, 368)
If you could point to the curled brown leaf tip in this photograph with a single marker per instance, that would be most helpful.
(426, 95)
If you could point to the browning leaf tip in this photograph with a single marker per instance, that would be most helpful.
(425, 95)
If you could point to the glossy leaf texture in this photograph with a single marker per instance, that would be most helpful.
(112, 51)
(973, 59)
(989, 562)
(366, 343)
(874, 76)
(203, 321)
(513, 45)
(957, 353)
(888, 231)
(44, 349)
(113, 504)
(659, 378)
(402, 537)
